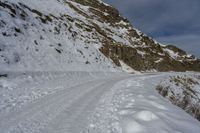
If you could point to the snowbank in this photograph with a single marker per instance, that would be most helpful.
(182, 90)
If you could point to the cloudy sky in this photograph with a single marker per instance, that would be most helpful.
(174, 22)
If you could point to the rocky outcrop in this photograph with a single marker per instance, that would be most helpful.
(142, 53)
(148, 60)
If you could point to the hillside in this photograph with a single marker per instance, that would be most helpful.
(88, 35)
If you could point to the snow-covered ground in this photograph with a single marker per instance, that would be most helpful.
(82, 102)
(19, 88)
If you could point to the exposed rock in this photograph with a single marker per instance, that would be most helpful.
(89, 25)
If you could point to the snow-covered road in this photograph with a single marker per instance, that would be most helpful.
(121, 104)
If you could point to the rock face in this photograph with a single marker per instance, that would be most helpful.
(79, 35)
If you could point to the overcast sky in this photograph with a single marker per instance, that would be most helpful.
(174, 22)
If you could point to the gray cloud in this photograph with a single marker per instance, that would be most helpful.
(168, 21)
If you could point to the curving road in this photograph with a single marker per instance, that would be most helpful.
(61, 112)
(123, 104)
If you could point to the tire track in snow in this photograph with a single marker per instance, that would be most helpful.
(80, 110)
(33, 115)
(61, 110)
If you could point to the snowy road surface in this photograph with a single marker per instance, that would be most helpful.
(121, 104)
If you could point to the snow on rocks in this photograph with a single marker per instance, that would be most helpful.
(127, 68)
(66, 35)
(182, 90)
(39, 36)
(171, 53)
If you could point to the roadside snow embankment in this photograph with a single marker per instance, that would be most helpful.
(182, 90)
(133, 106)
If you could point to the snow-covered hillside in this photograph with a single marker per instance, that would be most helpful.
(182, 90)
(89, 35)
(45, 35)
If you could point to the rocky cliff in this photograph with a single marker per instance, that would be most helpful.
(79, 35)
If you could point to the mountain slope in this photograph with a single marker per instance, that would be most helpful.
(79, 35)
